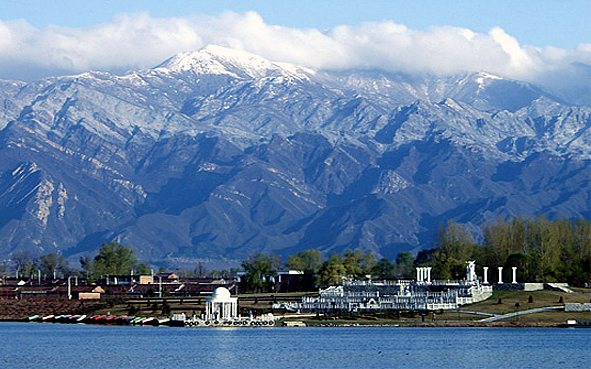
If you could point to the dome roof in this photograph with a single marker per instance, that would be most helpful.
(221, 294)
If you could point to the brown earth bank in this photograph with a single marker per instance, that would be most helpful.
(17, 310)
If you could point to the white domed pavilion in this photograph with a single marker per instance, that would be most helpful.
(221, 306)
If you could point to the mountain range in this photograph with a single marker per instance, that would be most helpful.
(218, 154)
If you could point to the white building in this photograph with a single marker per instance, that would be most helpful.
(422, 294)
(221, 306)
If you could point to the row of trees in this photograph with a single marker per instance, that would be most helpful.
(27, 265)
(542, 251)
(319, 271)
(111, 259)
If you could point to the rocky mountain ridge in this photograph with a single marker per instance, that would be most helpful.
(217, 154)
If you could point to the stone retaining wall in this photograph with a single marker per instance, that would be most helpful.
(578, 308)
(533, 286)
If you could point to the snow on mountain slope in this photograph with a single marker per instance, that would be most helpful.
(220, 152)
(217, 60)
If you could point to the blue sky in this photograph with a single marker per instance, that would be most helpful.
(545, 42)
(560, 23)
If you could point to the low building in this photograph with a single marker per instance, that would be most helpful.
(166, 278)
(288, 281)
(86, 292)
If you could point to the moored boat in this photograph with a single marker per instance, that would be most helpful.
(150, 321)
(163, 321)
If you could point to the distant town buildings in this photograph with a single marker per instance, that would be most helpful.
(136, 286)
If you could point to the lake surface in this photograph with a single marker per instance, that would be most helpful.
(43, 345)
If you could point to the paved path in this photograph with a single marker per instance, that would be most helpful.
(560, 288)
(510, 315)
(477, 313)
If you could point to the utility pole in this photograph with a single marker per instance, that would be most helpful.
(69, 287)
(160, 287)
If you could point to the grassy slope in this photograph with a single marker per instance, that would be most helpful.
(491, 306)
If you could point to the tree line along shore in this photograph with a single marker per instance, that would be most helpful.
(542, 250)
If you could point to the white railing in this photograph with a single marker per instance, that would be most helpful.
(405, 295)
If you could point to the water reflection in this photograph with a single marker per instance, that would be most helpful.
(81, 346)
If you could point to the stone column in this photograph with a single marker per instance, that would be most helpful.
(514, 275)
(418, 274)
(429, 274)
(500, 275)
(485, 275)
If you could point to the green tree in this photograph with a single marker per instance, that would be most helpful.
(25, 264)
(542, 250)
(307, 261)
(215, 274)
(331, 272)
(114, 259)
(200, 270)
(582, 250)
(87, 264)
(425, 257)
(357, 263)
(455, 246)
(404, 265)
(521, 261)
(53, 265)
(258, 270)
(143, 269)
(384, 270)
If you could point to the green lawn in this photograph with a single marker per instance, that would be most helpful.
(508, 300)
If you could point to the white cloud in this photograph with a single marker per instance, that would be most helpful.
(134, 41)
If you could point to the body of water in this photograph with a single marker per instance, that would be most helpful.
(41, 345)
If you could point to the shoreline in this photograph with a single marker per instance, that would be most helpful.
(448, 324)
(540, 309)
(451, 325)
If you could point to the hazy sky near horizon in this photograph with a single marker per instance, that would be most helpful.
(533, 40)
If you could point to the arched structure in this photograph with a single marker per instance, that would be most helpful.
(221, 306)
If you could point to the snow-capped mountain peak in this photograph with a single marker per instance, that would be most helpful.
(218, 60)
